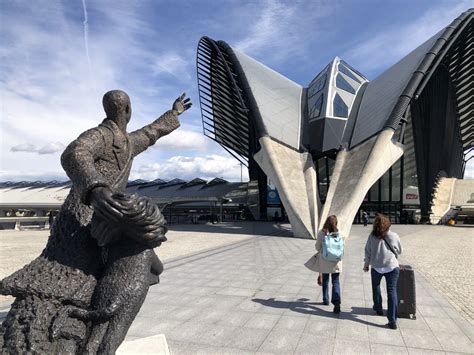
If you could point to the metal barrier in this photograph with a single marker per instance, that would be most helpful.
(24, 223)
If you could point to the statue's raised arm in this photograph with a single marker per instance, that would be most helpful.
(146, 136)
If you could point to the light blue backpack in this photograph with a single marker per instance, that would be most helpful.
(333, 247)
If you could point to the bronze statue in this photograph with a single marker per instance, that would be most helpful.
(84, 290)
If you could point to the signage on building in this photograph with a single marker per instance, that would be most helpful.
(273, 198)
(411, 196)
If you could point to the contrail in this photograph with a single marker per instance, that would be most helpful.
(86, 34)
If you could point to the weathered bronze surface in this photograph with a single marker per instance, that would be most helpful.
(84, 290)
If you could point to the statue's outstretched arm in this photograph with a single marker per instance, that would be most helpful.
(146, 136)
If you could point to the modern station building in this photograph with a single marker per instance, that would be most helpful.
(28, 205)
(343, 143)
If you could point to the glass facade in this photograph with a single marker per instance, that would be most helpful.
(339, 107)
(396, 180)
(317, 86)
(315, 111)
(394, 194)
(324, 168)
(342, 83)
(344, 69)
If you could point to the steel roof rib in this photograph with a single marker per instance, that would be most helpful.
(222, 107)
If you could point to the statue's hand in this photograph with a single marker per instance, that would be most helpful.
(182, 103)
(105, 205)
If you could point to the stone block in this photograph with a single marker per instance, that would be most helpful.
(152, 345)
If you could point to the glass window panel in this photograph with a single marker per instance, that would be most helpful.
(322, 179)
(342, 83)
(374, 192)
(344, 69)
(396, 171)
(339, 107)
(385, 186)
(317, 86)
(315, 110)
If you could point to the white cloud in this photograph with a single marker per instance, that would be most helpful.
(268, 26)
(172, 64)
(52, 148)
(280, 30)
(205, 167)
(52, 85)
(86, 34)
(26, 147)
(49, 148)
(396, 40)
(469, 169)
(182, 140)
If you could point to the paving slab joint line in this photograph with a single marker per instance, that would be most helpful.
(180, 260)
(174, 262)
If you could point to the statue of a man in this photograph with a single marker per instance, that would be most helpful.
(66, 273)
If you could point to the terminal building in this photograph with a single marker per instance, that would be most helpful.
(28, 205)
(341, 143)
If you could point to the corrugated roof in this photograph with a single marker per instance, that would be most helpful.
(32, 196)
(52, 194)
(382, 93)
(197, 191)
(388, 97)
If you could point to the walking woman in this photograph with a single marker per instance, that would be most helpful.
(381, 253)
(329, 235)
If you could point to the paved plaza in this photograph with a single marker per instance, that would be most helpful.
(251, 294)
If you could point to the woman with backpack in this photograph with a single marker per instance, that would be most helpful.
(381, 252)
(330, 248)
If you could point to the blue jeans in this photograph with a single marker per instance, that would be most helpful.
(336, 289)
(391, 279)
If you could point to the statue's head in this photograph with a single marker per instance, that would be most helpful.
(117, 106)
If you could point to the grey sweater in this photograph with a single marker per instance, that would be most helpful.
(378, 255)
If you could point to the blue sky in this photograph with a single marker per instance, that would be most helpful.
(59, 57)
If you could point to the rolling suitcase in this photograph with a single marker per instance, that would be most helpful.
(406, 293)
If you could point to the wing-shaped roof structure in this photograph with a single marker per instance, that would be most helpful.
(429, 93)
(238, 92)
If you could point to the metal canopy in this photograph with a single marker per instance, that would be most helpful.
(223, 110)
(452, 47)
(461, 70)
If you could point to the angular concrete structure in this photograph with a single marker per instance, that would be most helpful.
(343, 142)
(355, 172)
(294, 175)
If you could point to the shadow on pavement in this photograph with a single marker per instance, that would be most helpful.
(250, 228)
(302, 305)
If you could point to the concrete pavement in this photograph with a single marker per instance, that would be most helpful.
(255, 296)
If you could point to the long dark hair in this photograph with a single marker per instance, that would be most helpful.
(381, 225)
(331, 224)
